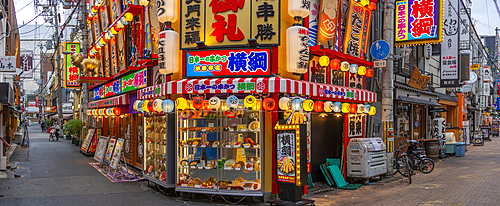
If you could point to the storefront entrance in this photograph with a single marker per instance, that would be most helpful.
(326, 142)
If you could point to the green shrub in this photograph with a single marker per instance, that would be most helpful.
(73, 127)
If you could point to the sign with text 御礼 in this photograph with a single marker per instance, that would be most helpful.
(418, 21)
(235, 62)
(357, 31)
(229, 22)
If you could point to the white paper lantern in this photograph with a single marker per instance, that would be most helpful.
(298, 8)
(167, 10)
(168, 52)
(337, 107)
(136, 103)
(143, 2)
(214, 103)
(167, 106)
(367, 109)
(361, 108)
(297, 104)
(344, 66)
(297, 44)
(157, 105)
(353, 68)
(232, 102)
(328, 106)
(283, 103)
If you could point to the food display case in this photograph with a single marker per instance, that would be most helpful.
(155, 141)
(219, 152)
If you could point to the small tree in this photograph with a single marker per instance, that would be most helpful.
(74, 127)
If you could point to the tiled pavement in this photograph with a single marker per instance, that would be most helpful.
(470, 180)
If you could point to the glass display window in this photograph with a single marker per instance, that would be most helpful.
(155, 146)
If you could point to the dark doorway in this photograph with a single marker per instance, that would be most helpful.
(326, 142)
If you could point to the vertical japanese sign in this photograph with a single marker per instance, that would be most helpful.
(358, 28)
(155, 27)
(8, 63)
(317, 73)
(286, 152)
(355, 125)
(355, 80)
(71, 73)
(26, 65)
(328, 22)
(464, 27)
(449, 47)
(337, 77)
(418, 21)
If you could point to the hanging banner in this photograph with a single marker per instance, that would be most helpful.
(418, 80)
(71, 73)
(328, 23)
(355, 125)
(317, 73)
(358, 30)
(26, 65)
(313, 22)
(449, 47)
(464, 27)
(419, 21)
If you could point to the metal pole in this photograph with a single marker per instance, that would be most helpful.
(387, 83)
(85, 91)
(59, 71)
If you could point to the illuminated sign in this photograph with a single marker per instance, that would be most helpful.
(72, 73)
(418, 21)
(358, 29)
(235, 62)
(127, 83)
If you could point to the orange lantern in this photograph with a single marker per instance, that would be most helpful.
(369, 73)
(197, 102)
(335, 64)
(268, 104)
(372, 6)
(117, 111)
(150, 106)
(354, 108)
(318, 106)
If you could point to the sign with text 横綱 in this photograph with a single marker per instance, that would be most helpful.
(72, 73)
(235, 62)
(418, 21)
(109, 89)
(134, 81)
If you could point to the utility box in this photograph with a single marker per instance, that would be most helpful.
(450, 143)
(366, 157)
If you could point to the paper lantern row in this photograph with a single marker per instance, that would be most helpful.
(128, 17)
(344, 66)
(113, 111)
(215, 103)
(308, 105)
(154, 105)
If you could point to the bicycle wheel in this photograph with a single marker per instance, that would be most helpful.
(408, 169)
(401, 164)
(426, 166)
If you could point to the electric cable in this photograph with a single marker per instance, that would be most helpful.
(25, 6)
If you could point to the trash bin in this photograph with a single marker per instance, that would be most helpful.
(460, 149)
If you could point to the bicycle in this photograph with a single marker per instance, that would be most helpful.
(417, 158)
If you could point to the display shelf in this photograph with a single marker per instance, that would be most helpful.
(155, 147)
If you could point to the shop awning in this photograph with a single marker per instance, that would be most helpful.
(417, 101)
(109, 102)
(438, 110)
(258, 85)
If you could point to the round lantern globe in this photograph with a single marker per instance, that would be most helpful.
(197, 102)
(361, 108)
(367, 109)
(297, 104)
(295, 44)
(318, 106)
(365, 2)
(335, 64)
(117, 111)
(167, 106)
(354, 108)
(372, 111)
(181, 103)
(328, 106)
(308, 105)
(249, 101)
(139, 107)
(369, 72)
(283, 103)
(145, 106)
(353, 68)
(232, 102)
(296, 9)
(337, 107)
(157, 105)
(362, 70)
(346, 107)
(214, 103)
(324, 61)
(102, 112)
(150, 106)
(268, 104)
(344, 66)
(136, 103)
(109, 112)
(372, 6)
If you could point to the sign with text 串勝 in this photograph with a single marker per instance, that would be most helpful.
(71, 73)
(235, 62)
(358, 29)
(127, 83)
(449, 48)
(229, 22)
(418, 21)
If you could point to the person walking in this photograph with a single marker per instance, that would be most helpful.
(43, 125)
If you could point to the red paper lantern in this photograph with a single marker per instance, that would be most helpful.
(335, 64)
(117, 111)
(372, 6)
(150, 106)
(269, 104)
(354, 108)
(369, 73)
(106, 113)
(318, 106)
(197, 102)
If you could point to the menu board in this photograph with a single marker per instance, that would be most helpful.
(117, 153)
(101, 148)
(109, 151)
(87, 140)
(286, 156)
(93, 143)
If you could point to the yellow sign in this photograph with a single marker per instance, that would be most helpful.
(475, 67)
(358, 29)
(418, 80)
(229, 22)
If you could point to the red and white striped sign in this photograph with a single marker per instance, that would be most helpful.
(152, 91)
(113, 101)
(260, 85)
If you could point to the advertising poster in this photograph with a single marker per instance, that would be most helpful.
(286, 156)
(357, 30)
(355, 125)
(109, 151)
(117, 153)
(418, 21)
(449, 47)
(328, 22)
(317, 73)
(93, 144)
(101, 148)
(87, 140)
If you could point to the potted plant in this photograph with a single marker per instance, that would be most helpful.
(74, 128)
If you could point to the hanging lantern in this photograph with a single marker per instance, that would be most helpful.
(372, 111)
(168, 51)
(328, 107)
(181, 103)
(150, 106)
(335, 64)
(324, 61)
(157, 105)
(109, 112)
(283, 103)
(232, 102)
(318, 106)
(372, 6)
(346, 107)
(117, 111)
(337, 107)
(353, 68)
(361, 108)
(139, 107)
(144, 2)
(167, 106)
(367, 109)
(249, 101)
(214, 103)
(308, 105)
(369, 72)
(362, 70)
(197, 102)
(145, 106)
(268, 104)
(344, 66)
(297, 104)
(354, 108)
(297, 44)
(365, 2)
(101, 112)
(167, 10)
(88, 112)
(298, 8)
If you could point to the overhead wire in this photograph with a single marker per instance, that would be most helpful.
(25, 6)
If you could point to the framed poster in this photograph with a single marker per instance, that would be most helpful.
(109, 151)
(87, 140)
(117, 153)
(355, 125)
(101, 148)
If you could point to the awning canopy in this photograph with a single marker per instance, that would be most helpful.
(258, 85)
(65, 116)
(417, 101)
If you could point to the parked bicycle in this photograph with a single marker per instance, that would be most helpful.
(416, 158)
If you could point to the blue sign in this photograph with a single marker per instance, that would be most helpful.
(498, 103)
(380, 49)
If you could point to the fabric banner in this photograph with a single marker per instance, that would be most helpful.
(358, 30)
